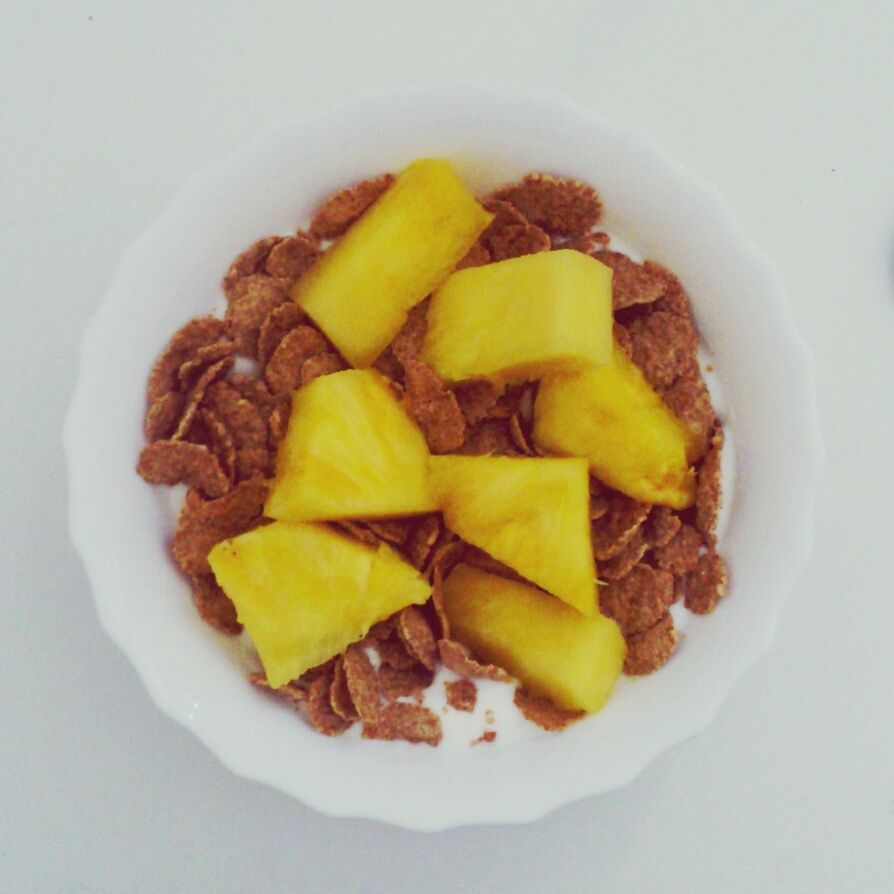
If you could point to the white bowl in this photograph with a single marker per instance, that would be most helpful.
(172, 272)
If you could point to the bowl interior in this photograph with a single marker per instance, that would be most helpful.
(173, 273)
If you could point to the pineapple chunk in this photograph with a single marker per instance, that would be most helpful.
(522, 318)
(531, 514)
(351, 451)
(305, 592)
(632, 439)
(360, 291)
(550, 648)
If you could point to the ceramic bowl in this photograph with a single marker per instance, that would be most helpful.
(172, 272)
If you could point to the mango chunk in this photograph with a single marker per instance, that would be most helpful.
(361, 289)
(531, 514)
(305, 592)
(521, 319)
(631, 438)
(552, 649)
(350, 451)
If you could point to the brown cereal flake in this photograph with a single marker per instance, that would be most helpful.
(362, 682)
(193, 399)
(520, 437)
(390, 530)
(462, 694)
(707, 584)
(346, 206)
(615, 529)
(214, 606)
(476, 256)
(319, 707)
(247, 312)
(421, 539)
(204, 357)
(293, 692)
(437, 601)
(625, 561)
(510, 234)
(321, 365)
(388, 365)
(219, 441)
(651, 648)
(183, 344)
(417, 636)
(588, 243)
(404, 682)
(249, 262)
(680, 554)
(476, 399)
(675, 300)
(708, 492)
(434, 407)
(456, 657)
(292, 257)
(254, 390)
(558, 205)
(356, 530)
(339, 694)
(278, 423)
(490, 437)
(179, 462)
(283, 369)
(509, 402)
(546, 714)
(632, 283)
(408, 722)
(689, 399)
(623, 339)
(639, 599)
(661, 525)
(203, 523)
(393, 652)
(162, 416)
(664, 347)
(489, 735)
(276, 325)
(245, 422)
(445, 555)
(407, 344)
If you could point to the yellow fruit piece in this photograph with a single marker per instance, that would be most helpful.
(305, 592)
(361, 289)
(350, 451)
(531, 514)
(549, 647)
(631, 438)
(522, 318)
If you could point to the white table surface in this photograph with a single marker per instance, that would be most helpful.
(108, 106)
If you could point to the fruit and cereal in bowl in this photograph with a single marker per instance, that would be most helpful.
(438, 430)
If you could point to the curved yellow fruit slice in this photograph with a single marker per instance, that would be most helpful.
(351, 451)
(361, 289)
(305, 592)
(522, 318)
(631, 438)
(531, 514)
(552, 649)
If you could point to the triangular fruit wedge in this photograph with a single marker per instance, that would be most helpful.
(531, 514)
(631, 438)
(305, 592)
(351, 451)
(521, 318)
(361, 289)
(552, 649)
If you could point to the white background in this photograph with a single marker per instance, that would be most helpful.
(788, 107)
